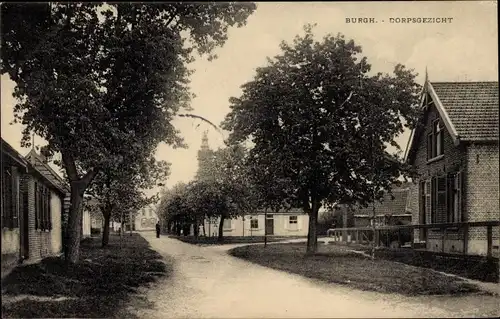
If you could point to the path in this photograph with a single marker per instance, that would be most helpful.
(208, 283)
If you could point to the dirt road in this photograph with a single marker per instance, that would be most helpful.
(208, 283)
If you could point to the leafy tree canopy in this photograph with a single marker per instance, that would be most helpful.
(99, 82)
(321, 122)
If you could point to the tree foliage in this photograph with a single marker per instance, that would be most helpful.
(322, 123)
(100, 82)
(223, 192)
(122, 189)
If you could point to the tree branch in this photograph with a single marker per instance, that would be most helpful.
(172, 16)
(69, 164)
(89, 176)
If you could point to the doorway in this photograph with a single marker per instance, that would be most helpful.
(269, 225)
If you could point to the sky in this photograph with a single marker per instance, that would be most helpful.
(466, 49)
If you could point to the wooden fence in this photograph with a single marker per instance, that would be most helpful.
(365, 234)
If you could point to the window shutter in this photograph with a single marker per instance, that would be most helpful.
(429, 146)
(41, 200)
(37, 219)
(460, 183)
(40, 206)
(433, 197)
(441, 199)
(49, 212)
(422, 202)
(450, 213)
(44, 203)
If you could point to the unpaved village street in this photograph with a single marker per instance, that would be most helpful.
(208, 283)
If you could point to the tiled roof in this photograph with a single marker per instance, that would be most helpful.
(13, 154)
(472, 108)
(297, 211)
(37, 162)
(388, 205)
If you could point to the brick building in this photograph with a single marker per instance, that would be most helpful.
(391, 210)
(32, 210)
(13, 166)
(455, 150)
(41, 164)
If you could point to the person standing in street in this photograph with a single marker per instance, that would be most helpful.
(158, 229)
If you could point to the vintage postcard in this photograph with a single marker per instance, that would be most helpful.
(327, 159)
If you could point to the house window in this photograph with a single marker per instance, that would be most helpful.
(227, 224)
(254, 223)
(435, 140)
(150, 213)
(441, 196)
(455, 197)
(143, 212)
(438, 197)
(292, 221)
(42, 208)
(10, 199)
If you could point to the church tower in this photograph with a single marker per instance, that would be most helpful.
(204, 159)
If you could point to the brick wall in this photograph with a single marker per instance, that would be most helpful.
(40, 242)
(454, 159)
(482, 187)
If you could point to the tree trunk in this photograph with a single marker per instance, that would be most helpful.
(73, 233)
(312, 236)
(203, 227)
(196, 229)
(78, 187)
(130, 221)
(220, 237)
(105, 231)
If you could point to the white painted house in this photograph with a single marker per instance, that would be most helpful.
(283, 223)
(146, 218)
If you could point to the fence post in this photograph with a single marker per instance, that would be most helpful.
(444, 239)
(466, 238)
(489, 236)
(412, 237)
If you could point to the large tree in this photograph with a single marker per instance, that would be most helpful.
(318, 115)
(98, 81)
(229, 184)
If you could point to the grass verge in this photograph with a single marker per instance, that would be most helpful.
(334, 264)
(472, 267)
(97, 287)
(229, 240)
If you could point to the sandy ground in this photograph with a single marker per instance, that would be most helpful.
(208, 283)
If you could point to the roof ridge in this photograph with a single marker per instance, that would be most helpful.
(462, 82)
(49, 169)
